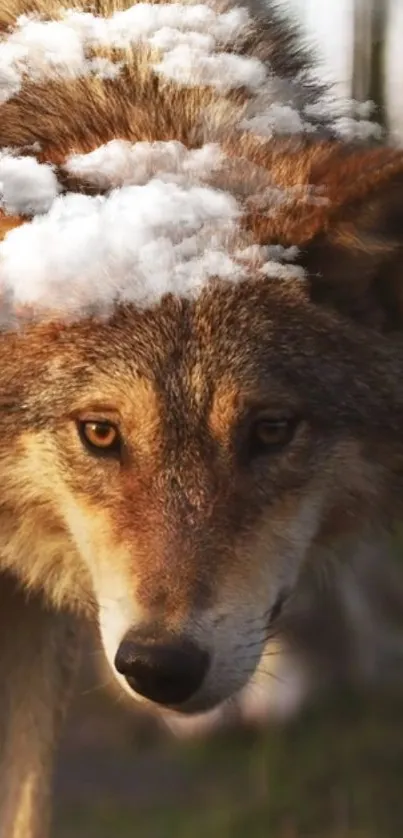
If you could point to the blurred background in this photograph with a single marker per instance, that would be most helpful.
(273, 766)
(360, 47)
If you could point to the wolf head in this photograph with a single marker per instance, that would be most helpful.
(172, 468)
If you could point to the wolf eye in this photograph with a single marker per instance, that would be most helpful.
(100, 437)
(268, 435)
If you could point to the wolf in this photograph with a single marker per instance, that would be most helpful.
(201, 373)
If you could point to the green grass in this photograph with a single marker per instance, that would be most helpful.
(337, 772)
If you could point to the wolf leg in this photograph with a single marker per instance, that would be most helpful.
(38, 655)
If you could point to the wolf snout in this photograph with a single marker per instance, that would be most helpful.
(167, 672)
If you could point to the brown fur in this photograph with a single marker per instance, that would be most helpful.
(187, 533)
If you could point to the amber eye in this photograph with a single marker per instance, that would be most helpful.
(100, 437)
(268, 435)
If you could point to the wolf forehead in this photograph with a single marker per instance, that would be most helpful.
(260, 344)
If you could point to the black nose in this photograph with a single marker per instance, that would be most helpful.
(168, 673)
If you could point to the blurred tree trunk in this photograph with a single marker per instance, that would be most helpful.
(370, 19)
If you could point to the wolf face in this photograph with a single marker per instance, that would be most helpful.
(171, 470)
(176, 468)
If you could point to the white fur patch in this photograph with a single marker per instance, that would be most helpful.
(161, 230)
(121, 163)
(222, 70)
(26, 186)
(133, 245)
(277, 119)
(42, 49)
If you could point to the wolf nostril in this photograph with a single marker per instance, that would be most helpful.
(166, 673)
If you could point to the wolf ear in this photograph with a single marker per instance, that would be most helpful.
(356, 266)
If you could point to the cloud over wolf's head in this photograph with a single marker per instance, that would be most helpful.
(167, 221)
